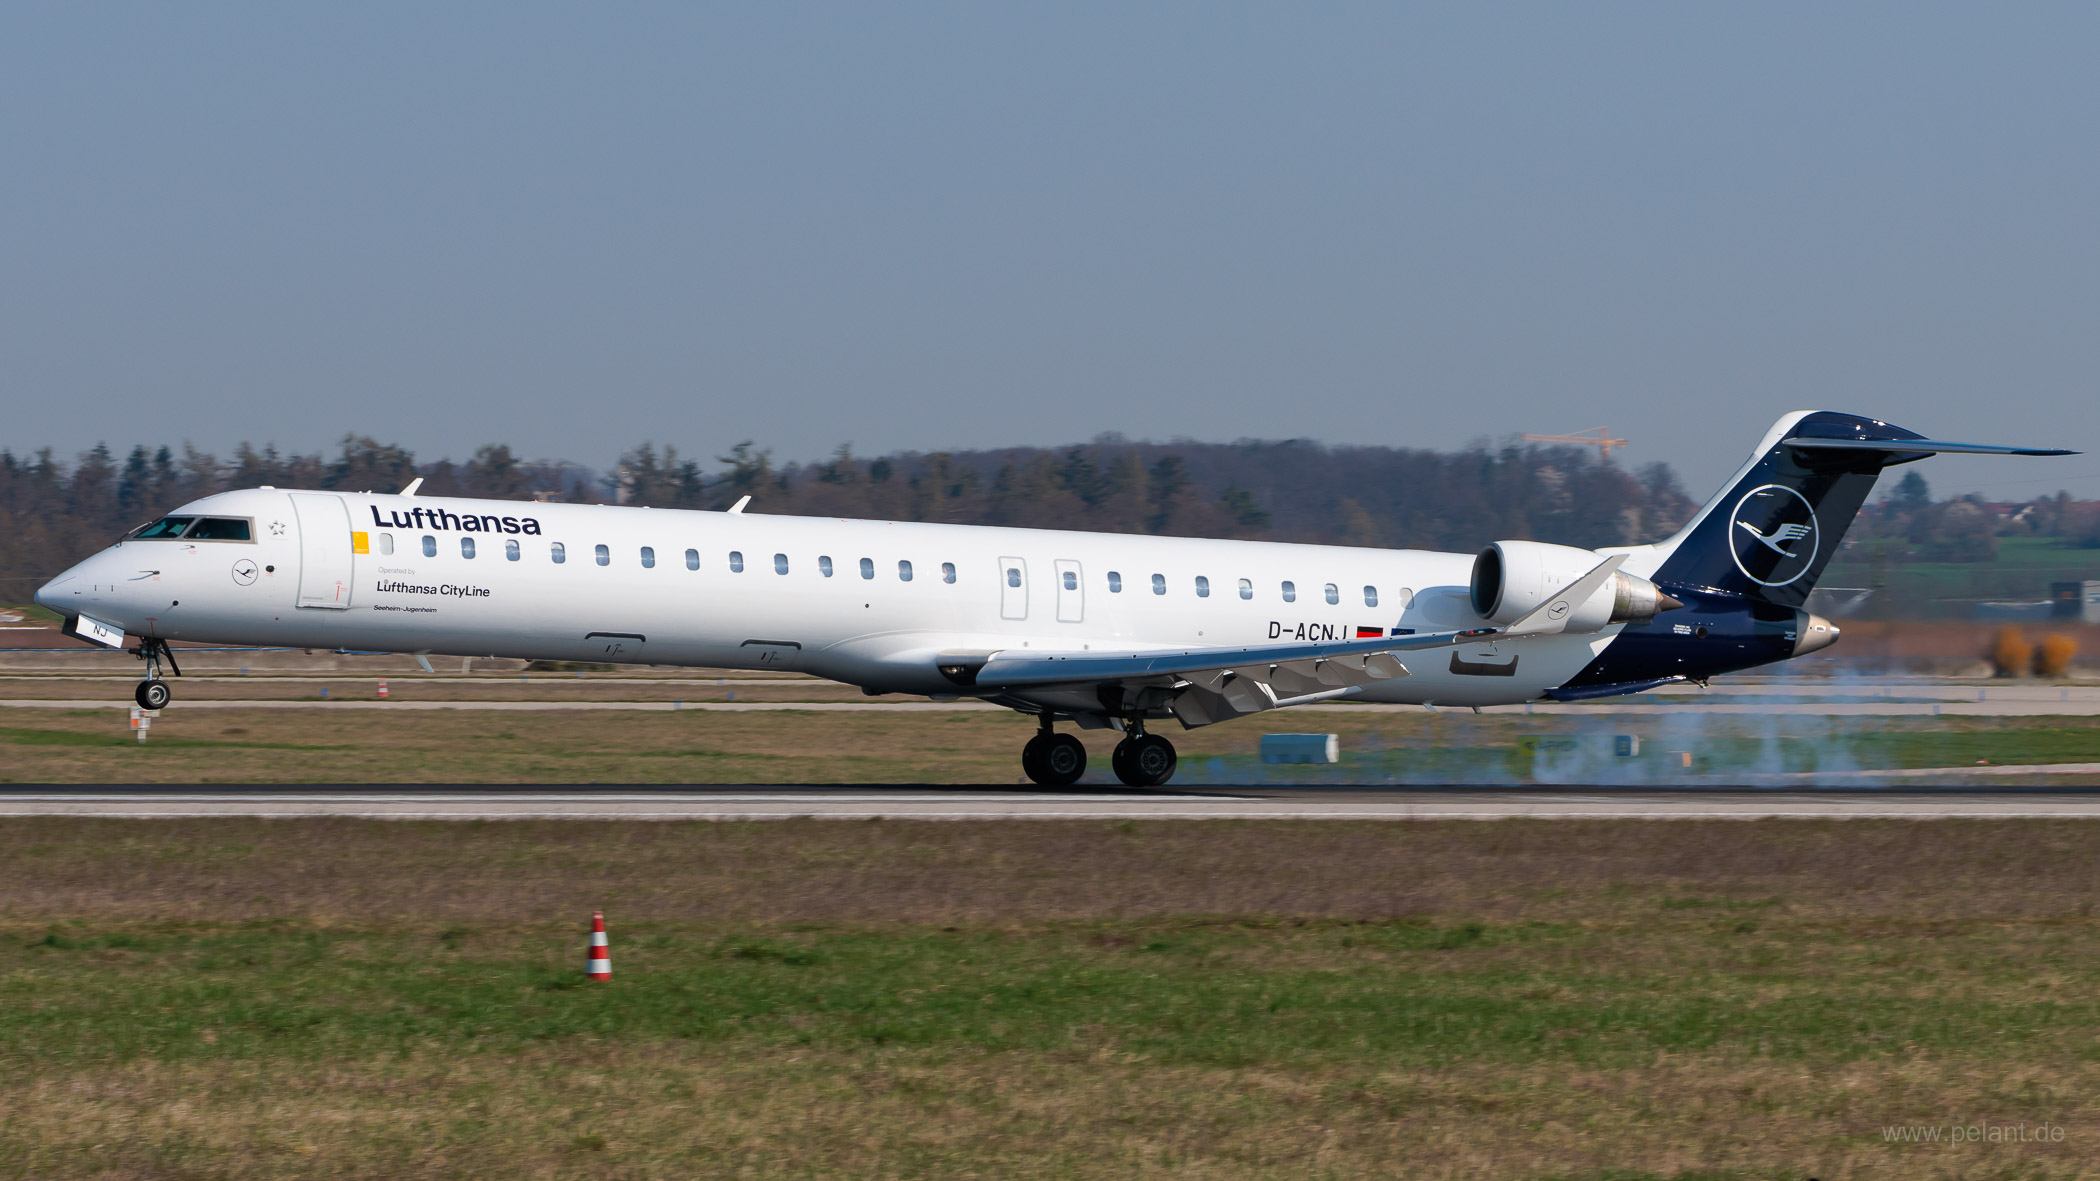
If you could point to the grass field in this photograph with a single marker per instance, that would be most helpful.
(323, 746)
(2022, 571)
(1599, 1000)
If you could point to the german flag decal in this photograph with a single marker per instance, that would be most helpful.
(1370, 633)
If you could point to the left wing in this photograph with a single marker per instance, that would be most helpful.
(1204, 685)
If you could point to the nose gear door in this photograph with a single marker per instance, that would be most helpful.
(324, 550)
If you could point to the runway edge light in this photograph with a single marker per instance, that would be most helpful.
(597, 962)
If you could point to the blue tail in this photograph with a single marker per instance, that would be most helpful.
(1773, 528)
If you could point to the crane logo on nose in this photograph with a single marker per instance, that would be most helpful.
(244, 572)
(1774, 537)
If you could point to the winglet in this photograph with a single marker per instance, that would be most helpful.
(738, 507)
(412, 486)
(1542, 619)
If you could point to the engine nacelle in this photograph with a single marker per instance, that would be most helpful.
(1512, 577)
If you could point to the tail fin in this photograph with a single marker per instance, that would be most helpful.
(1771, 529)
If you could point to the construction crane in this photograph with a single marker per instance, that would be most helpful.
(1596, 436)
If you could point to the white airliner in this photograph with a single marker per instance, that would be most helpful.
(1102, 630)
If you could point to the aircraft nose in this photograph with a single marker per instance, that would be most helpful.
(52, 595)
(1815, 634)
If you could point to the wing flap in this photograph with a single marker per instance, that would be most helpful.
(1205, 685)
(1023, 669)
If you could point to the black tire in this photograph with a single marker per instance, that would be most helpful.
(1063, 761)
(1147, 761)
(1119, 762)
(1032, 759)
(152, 694)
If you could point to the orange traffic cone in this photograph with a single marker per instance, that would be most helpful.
(382, 688)
(598, 964)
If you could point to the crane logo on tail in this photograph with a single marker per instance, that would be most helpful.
(1775, 539)
(1779, 537)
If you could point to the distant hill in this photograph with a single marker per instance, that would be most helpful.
(52, 512)
(1930, 558)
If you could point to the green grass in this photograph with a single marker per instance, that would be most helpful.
(240, 998)
(1446, 747)
(2022, 572)
(1224, 992)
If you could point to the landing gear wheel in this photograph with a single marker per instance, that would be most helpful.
(1144, 760)
(153, 694)
(1054, 760)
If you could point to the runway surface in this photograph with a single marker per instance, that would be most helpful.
(862, 803)
(1988, 708)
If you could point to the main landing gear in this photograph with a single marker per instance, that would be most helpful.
(153, 693)
(1058, 760)
(1053, 759)
(1144, 760)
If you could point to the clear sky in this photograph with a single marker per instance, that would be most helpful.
(575, 227)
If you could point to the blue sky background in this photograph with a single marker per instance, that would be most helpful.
(924, 226)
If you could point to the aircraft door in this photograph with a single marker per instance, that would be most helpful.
(1071, 592)
(324, 550)
(1013, 588)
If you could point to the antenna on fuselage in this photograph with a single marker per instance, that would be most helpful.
(412, 486)
(738, 507)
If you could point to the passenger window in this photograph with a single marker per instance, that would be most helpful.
(386, 543)
(1115, 583)
(1334, 593)
(1071, 580)
(1404, 597)
(1290, 592)
(1013, 576)
(1159, 584)
(736, 561)
(165, 528)
(903, 571)
(1246, 589)
(824, 565)
(219, 529)
(604, 555)
(1202, 587)
(430, 546)
(648, 557)
(559, 553)
(466, 547)
(780, 563)
(1370, 596)
(948, 572)
(867, 567)
(510, 551)
(692, 559)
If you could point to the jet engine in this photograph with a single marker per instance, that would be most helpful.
(1512, 577)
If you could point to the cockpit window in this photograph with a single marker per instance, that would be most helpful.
(165, 527)
(219, 529)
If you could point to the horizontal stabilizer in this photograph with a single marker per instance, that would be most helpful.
(1931, 445)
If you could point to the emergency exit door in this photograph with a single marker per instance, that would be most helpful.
(1013, 588)
(1071, 592)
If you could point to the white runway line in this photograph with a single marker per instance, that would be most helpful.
(536, 706)
(1455, 806)
(1991, 708)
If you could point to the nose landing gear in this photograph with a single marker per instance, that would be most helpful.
(153, 693)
